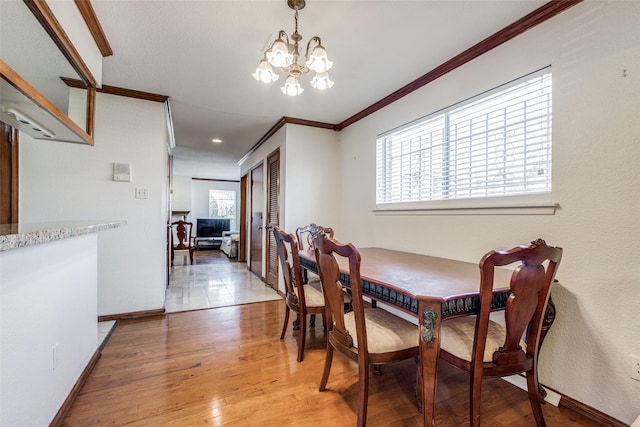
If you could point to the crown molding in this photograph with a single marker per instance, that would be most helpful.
(120, 91)
(538, 16)
(93, 24)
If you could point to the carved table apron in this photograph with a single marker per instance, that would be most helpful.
(430, 289)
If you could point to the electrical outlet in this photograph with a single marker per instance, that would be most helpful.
(634, 363)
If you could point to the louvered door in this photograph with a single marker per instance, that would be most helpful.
(273, 188)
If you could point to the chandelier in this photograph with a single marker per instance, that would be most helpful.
(284, 54)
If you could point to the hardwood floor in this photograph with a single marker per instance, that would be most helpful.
(211, 256)
(227, 366)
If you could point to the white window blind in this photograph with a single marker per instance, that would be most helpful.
(495, 144)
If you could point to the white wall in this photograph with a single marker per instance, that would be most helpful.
(181, 193)
(48, 295)
(61, 181)
(596, 152)
(311, 187)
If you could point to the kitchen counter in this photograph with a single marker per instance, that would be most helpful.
(48, 313)
(14, 236)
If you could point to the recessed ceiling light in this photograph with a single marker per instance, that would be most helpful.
(216, 140)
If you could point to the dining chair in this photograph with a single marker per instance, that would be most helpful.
(308, 232)
(485, 347)
(181, 238)
(302, 298)
(368, 336)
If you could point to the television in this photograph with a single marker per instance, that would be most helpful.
(212, 227)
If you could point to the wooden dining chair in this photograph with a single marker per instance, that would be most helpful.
(368, 336)
(486, 348)
(302, 298)
(308, 232)
(181, 239)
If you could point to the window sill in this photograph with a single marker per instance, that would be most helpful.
(514, 209)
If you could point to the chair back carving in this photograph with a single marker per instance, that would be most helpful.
(525, 308)
(181, 234)
(311, 231)
(287, 246)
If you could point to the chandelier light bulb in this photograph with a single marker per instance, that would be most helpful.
(279, 55)
(318, 60)
(321, 81)
(292, 87)
(264, 73)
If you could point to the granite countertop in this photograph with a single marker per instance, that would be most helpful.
(13, 236)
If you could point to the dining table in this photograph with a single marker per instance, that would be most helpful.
(430, 289)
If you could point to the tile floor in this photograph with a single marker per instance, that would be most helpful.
(200, 286)
(209, 285)
(104, 328)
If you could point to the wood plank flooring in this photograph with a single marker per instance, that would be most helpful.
(228, 367)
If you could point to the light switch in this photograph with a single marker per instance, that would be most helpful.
(142, 193)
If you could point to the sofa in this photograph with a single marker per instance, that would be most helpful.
(229, 243)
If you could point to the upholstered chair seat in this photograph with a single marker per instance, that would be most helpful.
(457, 338)
(313, 297)
(385, 331)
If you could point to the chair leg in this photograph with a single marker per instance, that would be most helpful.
(363, 393)
(327, 367)
(296, 323)
(418, 386)
(312, 321)
(301, 337)
(474, 402)
(286, 322)
(534, 397)
(191, 255)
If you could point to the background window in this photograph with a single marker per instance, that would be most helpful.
(495, 144)
(222, 204)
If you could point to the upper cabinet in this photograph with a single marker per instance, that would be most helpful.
(46, 89)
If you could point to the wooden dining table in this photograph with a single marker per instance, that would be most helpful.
(428, 288)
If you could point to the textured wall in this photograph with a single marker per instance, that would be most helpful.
(596, 152)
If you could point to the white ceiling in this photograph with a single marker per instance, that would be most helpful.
(202, 53)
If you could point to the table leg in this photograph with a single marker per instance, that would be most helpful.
(429, 318)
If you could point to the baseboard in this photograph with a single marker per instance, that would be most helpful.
(557, 399)
(131, 315)
(64, 409)
(589, 412)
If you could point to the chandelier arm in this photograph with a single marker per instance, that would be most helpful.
(312, 39)
(283, 35)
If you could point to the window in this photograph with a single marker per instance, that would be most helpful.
(222, 204)
(495, 144)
